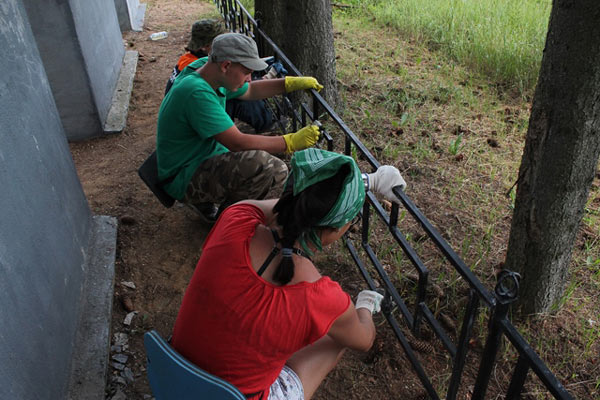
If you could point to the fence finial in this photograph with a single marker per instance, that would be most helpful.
(507, 288)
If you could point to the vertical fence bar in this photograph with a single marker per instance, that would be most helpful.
(518, 379)
(219, 4)
(236, 17)
(239, 17)
(303, 120)
(315, 107)
(421, 285)
(421, 295)
(329, 141)
(231, 16)
(260, 42)
(244, 23)
(225, 13)
(506, 292)
(347, 147)
(463, 345)
(394, 214)
(489, 353)
(364, 232)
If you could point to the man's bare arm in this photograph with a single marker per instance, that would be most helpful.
(235, 140)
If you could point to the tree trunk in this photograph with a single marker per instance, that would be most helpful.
(303, 30)
(560, 156)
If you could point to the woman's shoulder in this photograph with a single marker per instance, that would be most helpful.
(327, 298)
(326, 284)
(305, 271)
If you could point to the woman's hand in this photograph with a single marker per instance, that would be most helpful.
(383, 180)
(369, 299)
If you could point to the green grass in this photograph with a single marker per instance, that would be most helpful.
(501, 39)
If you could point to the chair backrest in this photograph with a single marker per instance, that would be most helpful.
(149, 174)
(172, 377)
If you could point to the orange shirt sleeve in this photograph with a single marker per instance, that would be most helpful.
(185, 60)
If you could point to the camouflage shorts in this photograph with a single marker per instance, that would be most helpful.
(234, 176)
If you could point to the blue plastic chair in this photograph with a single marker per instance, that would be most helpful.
(172, 377)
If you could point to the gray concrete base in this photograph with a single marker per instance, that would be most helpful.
(136, 15)
(117, 115)
(131, 15)
(92, 341)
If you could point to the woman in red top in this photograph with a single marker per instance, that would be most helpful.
(257, 312)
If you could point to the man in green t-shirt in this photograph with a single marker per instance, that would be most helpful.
(200, 150)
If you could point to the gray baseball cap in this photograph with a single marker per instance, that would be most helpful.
(236, 47)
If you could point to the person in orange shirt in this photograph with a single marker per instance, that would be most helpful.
(203, 33)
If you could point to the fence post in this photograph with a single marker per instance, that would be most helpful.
(506, 290)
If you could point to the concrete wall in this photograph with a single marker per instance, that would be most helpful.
(102, 47)
(130, 14)
(122, 9)
(82, 50)
(45, 223)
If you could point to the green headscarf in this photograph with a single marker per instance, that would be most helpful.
(314, 165)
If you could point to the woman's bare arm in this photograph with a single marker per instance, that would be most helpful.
(354, 329)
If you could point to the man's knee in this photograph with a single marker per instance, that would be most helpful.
(279, 172)
(237, 176)
(260, 172)
(260, 165)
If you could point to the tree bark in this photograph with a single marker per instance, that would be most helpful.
(560, 156)
(303, 29)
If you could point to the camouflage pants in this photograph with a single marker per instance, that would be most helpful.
(234, 176)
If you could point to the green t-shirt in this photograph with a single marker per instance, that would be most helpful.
(188, 118)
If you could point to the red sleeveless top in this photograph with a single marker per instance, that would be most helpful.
(234, 324)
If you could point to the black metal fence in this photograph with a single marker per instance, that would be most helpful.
(238, 19)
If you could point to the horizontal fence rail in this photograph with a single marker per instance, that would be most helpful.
(497, 302)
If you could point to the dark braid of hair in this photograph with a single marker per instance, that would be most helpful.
(297, 214)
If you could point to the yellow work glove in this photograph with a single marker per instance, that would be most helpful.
(302, 139)
(293, 83)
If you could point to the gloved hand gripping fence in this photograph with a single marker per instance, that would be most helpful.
(293, 83)
(300, 140)
(384, 180)
(369, 299)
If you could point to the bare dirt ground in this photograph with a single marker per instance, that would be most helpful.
(158, 248)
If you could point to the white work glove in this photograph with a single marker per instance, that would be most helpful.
(369, 299)
(383, 180)
(271, 74)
